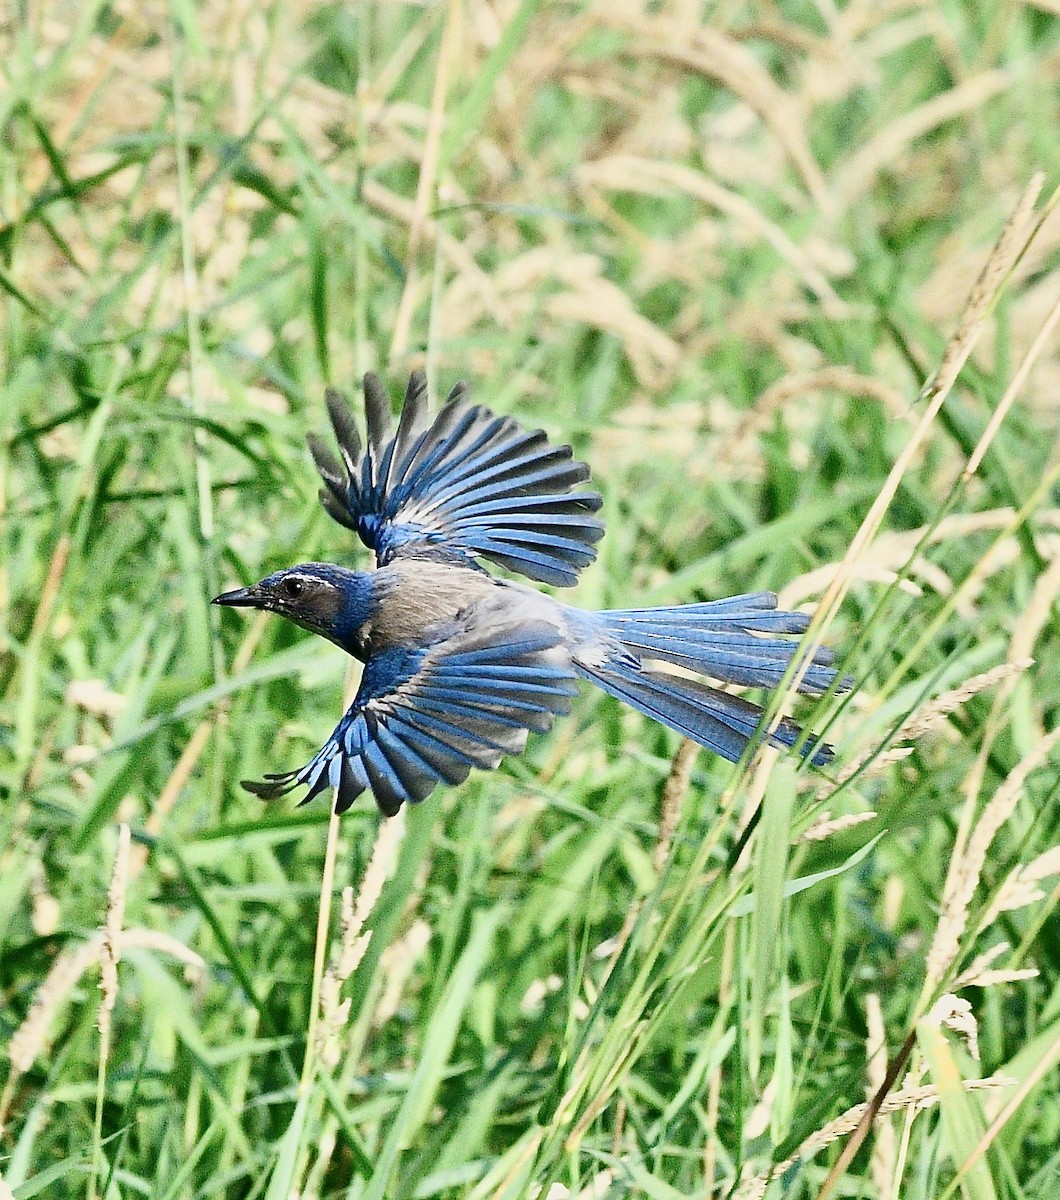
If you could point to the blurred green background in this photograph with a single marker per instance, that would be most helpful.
(718, 248)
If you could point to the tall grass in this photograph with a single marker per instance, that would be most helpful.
(787, 278)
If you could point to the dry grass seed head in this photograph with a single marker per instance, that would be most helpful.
(110, 949)
(955, 1013)
(1038, 612)
(892, 551)
(713, 55)
(398, 961)
(1007, 250)
(628, 173)
(980, 973)
(31, 1038)
(913, 1099)
(1021, 886)
(334, 1011)
(930, 714)
(875, 154)
(961, 885)
(673, 794)
(826, 826)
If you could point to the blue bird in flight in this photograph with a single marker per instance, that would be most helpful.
(460, 666)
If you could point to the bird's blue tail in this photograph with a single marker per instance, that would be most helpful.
(724, 639)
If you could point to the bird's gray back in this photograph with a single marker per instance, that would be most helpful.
(420, 601)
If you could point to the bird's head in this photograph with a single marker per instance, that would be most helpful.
(327, 600)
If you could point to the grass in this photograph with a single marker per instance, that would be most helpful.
(722, 253)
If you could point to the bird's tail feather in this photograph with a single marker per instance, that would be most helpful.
(734, 640)
(714, 719)
(722, 639)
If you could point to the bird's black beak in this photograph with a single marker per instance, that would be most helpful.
(240, 598)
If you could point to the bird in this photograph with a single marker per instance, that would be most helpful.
(461, 665)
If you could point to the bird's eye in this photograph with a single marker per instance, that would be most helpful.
(293, 587)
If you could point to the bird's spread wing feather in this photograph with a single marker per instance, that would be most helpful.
(426, 716)
(468, 484)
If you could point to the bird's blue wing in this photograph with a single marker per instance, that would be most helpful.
(427, 716)
(467, 484)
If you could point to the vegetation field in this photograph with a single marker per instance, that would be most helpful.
(787, 275)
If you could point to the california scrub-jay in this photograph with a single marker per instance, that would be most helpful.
(460, 666)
